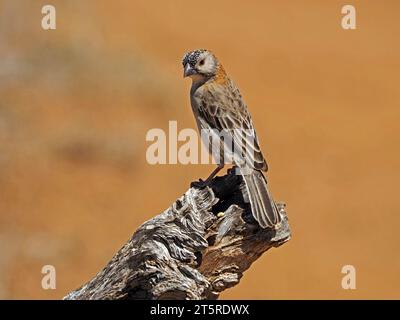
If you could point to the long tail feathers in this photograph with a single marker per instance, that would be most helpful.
(262, 204)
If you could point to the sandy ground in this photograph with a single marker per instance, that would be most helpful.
(76, 104)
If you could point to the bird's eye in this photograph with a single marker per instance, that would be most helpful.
(201, 62)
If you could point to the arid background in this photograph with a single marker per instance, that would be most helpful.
(76, 103)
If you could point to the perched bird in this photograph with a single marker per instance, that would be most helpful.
(218, 106)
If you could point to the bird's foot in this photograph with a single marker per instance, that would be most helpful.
(200, 184)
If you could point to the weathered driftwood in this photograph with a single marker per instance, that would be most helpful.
(197, 248)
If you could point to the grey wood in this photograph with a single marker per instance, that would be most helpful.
(196, 249)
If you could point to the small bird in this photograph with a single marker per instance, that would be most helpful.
(218, 106)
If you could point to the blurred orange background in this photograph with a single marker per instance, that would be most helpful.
(76, 103)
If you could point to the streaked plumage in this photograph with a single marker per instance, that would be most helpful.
(218, 104)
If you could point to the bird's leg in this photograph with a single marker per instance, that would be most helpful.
(214, 173)
(205, 183)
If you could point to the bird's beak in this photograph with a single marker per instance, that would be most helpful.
(188, 70)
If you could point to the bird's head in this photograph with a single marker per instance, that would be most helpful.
(199, 64)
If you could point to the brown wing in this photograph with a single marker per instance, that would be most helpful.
(221, 107)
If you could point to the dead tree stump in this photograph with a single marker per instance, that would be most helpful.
(195, 249)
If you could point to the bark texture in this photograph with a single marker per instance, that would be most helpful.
(195, 249)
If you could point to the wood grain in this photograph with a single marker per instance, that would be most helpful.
(196, 249)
